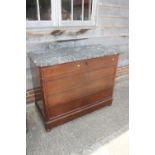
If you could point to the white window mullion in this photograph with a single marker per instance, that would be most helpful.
(58, 10)
(38, 10)
(72, 10)
(82, 10)
(89, 8)
(94, 9)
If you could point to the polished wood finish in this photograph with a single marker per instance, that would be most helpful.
(73, 89)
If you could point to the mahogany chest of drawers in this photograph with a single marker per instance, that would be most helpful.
(72, 89)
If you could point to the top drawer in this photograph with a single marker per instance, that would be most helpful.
(79, 66)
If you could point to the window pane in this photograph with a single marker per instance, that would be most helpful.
(87, 9)
(31, 10)
(66, 9)
(45, 9)
(77, 9)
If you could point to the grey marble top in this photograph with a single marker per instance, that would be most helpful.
(63, 55)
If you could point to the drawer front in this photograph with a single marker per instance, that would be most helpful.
(79, 66)
(77, 80)
(59, 110)
(79, 92)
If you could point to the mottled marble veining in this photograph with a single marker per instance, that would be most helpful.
(64, 55)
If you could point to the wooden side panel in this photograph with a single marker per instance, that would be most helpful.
(37, 83)
(41, 104)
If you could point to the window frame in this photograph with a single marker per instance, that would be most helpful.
(56, 20)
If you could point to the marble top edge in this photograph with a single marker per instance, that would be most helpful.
(59, 56)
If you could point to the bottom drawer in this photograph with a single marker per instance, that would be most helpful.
(75, 105)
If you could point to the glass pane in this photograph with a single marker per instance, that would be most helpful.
(31, 10)
(45, 9)
(66, 9)
(77, 9)
(87, 9)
